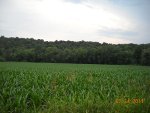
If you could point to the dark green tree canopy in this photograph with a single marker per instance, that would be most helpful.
(31, 50)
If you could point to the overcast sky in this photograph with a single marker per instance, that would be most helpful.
(111, 21)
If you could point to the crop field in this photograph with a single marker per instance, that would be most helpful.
(73, 88)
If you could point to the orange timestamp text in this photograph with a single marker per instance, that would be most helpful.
(130, 101)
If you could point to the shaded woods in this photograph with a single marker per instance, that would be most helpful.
(31, 50)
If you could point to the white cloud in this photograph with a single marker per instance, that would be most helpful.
(61, 20)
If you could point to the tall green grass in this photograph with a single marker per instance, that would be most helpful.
(73, 88)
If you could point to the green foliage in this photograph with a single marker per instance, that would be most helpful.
(30, 50)
(2, 59)
(73, 88)
(146, 56)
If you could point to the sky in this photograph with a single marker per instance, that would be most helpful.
(111, 21)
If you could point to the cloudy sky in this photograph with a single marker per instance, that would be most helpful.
(111, 21)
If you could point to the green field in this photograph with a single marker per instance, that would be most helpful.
(73, 88)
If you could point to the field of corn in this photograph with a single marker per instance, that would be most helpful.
(73, 88)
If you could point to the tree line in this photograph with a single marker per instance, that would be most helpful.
(31, 50)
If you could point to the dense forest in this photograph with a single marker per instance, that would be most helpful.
(31, 50)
